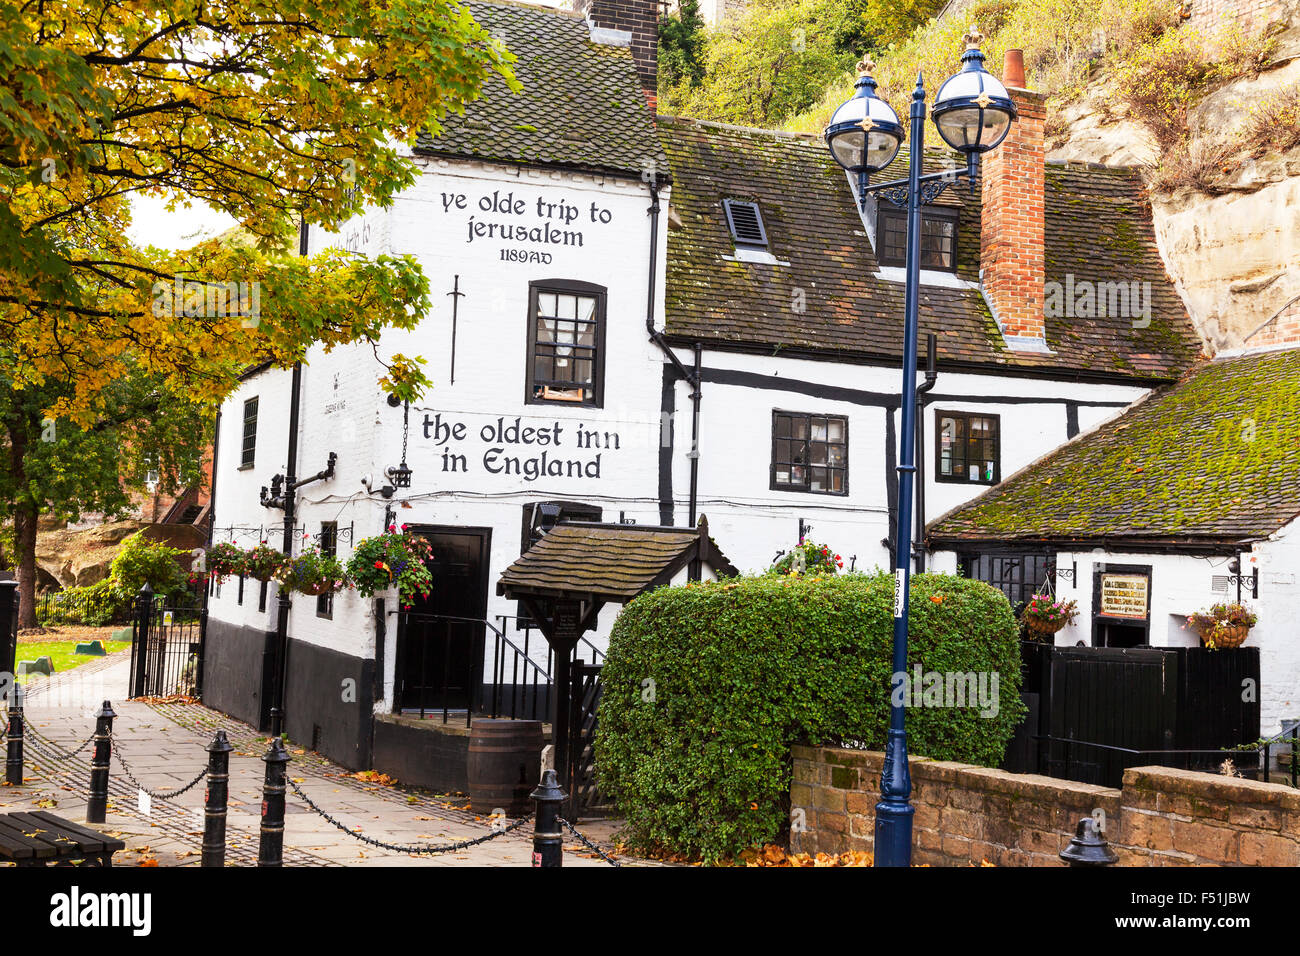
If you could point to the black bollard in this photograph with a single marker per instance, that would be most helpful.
(14, 740)
(548, 840)
(1089, 847)
(97, 807)
(270, 848)
(214, 801)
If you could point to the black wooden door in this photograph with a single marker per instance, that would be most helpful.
(440, 638)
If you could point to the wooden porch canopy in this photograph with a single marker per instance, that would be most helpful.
(575, 569)
(599, 563)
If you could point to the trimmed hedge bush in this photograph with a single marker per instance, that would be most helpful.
(706, 686)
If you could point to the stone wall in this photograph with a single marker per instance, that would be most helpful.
(966, 815)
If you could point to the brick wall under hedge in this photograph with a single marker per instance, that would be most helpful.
(967, 814)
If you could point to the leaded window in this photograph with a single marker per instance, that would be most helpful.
(968, 448)
(566, 339)
(810, 453)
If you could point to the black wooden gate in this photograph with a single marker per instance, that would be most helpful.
(584, 795)
(167, 647)
(1096, 711)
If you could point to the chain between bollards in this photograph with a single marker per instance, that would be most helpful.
(270, 847)
(97, 806)
(215, 799)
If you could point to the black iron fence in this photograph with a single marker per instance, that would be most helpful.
(441, 667)
(94, 607)
(167, 646)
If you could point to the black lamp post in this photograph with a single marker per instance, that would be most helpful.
(973, 113)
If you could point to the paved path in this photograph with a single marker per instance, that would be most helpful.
(162, 744)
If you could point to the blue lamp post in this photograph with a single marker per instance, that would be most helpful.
(973, 113)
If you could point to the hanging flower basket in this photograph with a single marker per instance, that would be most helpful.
(263, 563)
(313, 573)
(1223, 626)
(223, 560)
(1043, 616)
(808, 558)
(394, 558)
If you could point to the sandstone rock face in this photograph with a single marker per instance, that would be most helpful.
(1235, 257)
(78, 558)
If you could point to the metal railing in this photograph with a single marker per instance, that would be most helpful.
(1065, 763)
(442, 663)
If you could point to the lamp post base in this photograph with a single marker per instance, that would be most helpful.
(893, 843)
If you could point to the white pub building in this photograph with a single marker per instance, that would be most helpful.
(644, 319)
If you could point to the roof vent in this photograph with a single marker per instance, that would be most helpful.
(745, 222)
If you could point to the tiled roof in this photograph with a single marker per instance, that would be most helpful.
(1215, 456)
(1098, 227)
(609, 562)
(581, 105)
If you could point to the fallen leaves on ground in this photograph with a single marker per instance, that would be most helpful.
(169, 699)
(372, 776)
(773, 855)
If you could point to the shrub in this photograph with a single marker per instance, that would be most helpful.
(140, 560)
(706, 687)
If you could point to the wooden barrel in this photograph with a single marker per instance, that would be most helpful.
(505, 758)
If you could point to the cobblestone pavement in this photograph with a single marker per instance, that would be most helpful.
(162, 744)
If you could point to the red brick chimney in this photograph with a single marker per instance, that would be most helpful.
(1012, 258)
(633, 23)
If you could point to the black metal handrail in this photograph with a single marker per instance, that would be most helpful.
(1260, 749)
(519, 686)
(527, 624)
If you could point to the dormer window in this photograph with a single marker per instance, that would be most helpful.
(938, 237)
(746, 224)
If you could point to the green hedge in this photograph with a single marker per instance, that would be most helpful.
(706, 687)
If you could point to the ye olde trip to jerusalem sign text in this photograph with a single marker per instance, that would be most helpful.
(1124, 595)
(520, 447)
(525, 226)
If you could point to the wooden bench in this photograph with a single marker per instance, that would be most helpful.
(42, 839)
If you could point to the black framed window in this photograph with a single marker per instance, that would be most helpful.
(810, 453)
(938, 238)
(248, 451)
(1019, 575)
(329, 544)
(566, 343)
(967, 448)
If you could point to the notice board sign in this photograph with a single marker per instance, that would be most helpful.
(1125, 596)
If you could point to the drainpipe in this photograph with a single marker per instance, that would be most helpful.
(212, 527)
(290, 512)
(931, 376)
(691, 376)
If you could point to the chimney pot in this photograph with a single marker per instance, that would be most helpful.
(1013, 69)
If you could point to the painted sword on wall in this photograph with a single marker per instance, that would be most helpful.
(455, 294)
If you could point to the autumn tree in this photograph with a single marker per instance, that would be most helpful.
(681, 46)
(778, 57)
(65, 470)
(274, 113)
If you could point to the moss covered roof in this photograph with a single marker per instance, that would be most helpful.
(581, 105)
(1097, 223)
(1216, 456)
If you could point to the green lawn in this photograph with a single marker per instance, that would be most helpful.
(61, 653)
